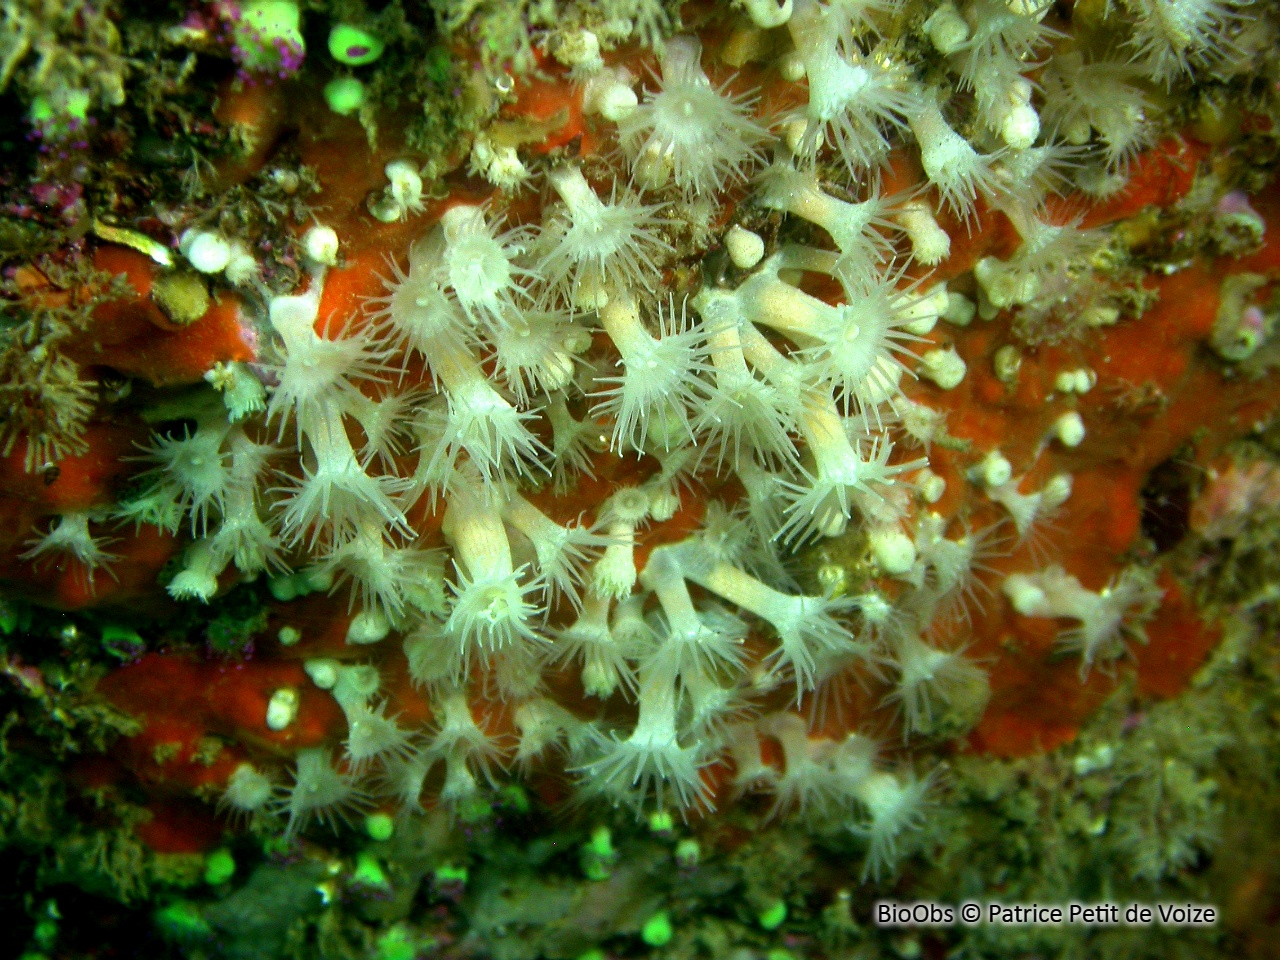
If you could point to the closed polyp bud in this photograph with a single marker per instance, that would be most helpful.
(994, 470)
(1006, 363)
(892, 550)
(946, 29)
(1069, 429)
(930, 485)
(322, 671)
(282, 709)
(944, 367)
(1056, 491)
(930, 244)
(207, 251)
(745, 248)
(367, 626)
(791, 67)
(241, 268)
(320, 245)
(580, 51)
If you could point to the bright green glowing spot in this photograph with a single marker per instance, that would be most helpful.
(369, 872)
(657, 930)
(354, 46)
(219, 867)
(379, 826)
(771, 917)
(344, 95)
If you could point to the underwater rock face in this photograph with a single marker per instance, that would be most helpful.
(643, 479)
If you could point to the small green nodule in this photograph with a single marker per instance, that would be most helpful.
(657, 930)
(353, 45)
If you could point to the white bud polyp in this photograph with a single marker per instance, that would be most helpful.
(368, 626)
(930, 485)
(1075, 381)
(1002, 286)
(745, 248)
(946, 29)
(960, 310)
(322, 671)
(385, 209)
(320, 245)
(994, 470)
(926, 310)
(282, 709)
(1024, 595)
(207, 251)
(609, 93)
(1011, 114)
(497, 163)
(944, 367)
(1069, 429)
(1020, 127)
(663, 505)
(1056, 490)
(930, 244)
(892, 550)
(793, 133)
(241, 269)
(791, 67)
(580, 51)
(767, 14)
(405, 185)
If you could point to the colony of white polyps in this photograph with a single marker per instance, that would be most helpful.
(795, 396)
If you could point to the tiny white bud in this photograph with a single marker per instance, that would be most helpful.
(320, 245)
(386, 209)
(791, 67)
(892, 550)
(617, 103)
(793, 134)
(242, 268)
(289, 636)
(930, 244)
(946, 29)
(874, 607)
(282, 708)
(925, 311)
(994, 470)
(322, 671)
(1056, 490)
(746, 249)
(1075, 381)
(930, 485)
(1069, 429)
(406, 184)
(580, 50)
(944, 367)
(960, 310)
(208, 251)
(767, 14)
(1006, 362)
(316, 579)
(663, 505)
(1025, 596)
(1020, 127)
(610, 94)
(834, 525)
(368, 626)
